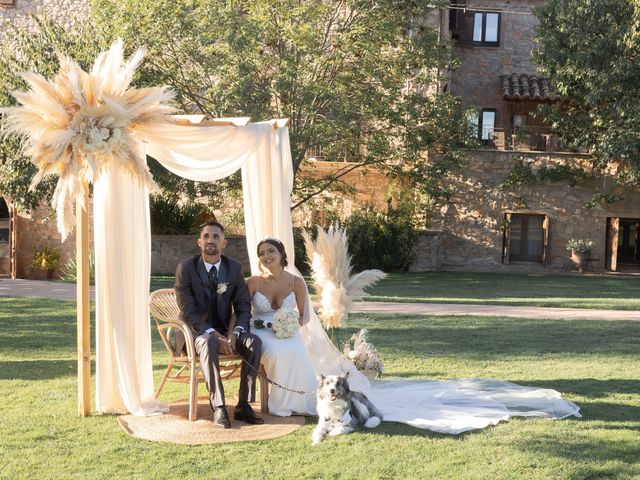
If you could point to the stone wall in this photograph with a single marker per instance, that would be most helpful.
(471, 221)
(370, 187)
(169, 250)
(67, 13)
(36, 230)
(429, 254)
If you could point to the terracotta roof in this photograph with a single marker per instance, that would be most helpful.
(527, 87)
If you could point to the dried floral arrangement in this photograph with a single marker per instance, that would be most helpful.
(80, 124)
(331, 271)
(364, 355)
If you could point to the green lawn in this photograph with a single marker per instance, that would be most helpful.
(574, 291)
(593, 362)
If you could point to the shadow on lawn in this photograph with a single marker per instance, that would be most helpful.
(491, 337)
(38, 369)
(596, 457)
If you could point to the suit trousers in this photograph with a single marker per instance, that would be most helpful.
(249, 347)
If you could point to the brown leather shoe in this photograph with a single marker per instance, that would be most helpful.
(220, 418)
(244, 413)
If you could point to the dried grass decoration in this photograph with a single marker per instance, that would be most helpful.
(331, 271)
(80, 124)
(364, 355)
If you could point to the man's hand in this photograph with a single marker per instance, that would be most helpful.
(233, 338)
(224, 346)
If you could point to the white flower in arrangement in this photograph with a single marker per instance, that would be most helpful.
(94, 136)
(364, 355)
(116, 134)
(285, 323)
(222, 287)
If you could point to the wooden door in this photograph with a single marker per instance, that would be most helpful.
(613, 227)
(505, 238)
(545, 240)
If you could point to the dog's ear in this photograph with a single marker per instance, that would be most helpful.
(345, 374)
(320, 377)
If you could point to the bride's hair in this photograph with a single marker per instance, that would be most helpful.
(279, 246)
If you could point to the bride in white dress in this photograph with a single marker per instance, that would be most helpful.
(285, 360)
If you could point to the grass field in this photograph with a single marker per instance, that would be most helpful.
(569, 291)
(594, 363)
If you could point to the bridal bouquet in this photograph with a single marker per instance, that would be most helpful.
(364, 355)
(285, 323)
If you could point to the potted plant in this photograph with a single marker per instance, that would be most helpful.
(580, 250)
(45, 259)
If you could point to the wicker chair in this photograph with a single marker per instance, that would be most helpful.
(164, 309)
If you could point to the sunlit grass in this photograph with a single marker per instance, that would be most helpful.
(553, 290)
(594, 363)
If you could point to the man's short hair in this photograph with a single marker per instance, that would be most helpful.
(212, 223)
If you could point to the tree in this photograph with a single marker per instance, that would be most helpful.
(351, 76)
(590, 50)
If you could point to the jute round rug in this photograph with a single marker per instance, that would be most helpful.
(175, 427)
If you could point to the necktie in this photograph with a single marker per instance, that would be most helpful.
(213, 278)
(213, 274)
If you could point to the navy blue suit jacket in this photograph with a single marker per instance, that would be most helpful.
(194, 295)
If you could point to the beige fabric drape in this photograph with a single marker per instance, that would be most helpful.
(122, 247)
(124, 377)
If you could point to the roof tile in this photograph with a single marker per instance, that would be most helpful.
(527, 87)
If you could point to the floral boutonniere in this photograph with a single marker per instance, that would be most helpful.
(222, 287)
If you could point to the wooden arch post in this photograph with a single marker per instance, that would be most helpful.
(83, 302)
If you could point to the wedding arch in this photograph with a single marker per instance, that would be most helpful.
(93, 127)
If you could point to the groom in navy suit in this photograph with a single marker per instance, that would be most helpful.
(209, 288)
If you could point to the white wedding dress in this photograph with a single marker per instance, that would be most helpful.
(444, 406)
(285, 362)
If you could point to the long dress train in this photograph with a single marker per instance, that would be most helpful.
(445, 406)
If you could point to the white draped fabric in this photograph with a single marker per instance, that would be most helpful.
(122, 247)
(122, 244)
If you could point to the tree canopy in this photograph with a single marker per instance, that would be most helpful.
(350, 75)
(590, 49)
(356, 78)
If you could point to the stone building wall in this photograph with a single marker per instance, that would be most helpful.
(370, 187)
(169, 250)
(477, 78)
(471, 221)
(36, 230)
(67, 13)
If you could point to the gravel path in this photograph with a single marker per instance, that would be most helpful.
(67, 291)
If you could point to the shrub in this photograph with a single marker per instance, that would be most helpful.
(70, 271)
(580, 245)
(45, 258)
(381, 240)
(168, 217)
(300, 251)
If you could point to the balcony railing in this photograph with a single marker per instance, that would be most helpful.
(535, 138)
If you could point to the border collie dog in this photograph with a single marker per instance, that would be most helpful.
(340, 409)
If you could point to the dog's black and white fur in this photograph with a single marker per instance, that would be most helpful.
(340, 409)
